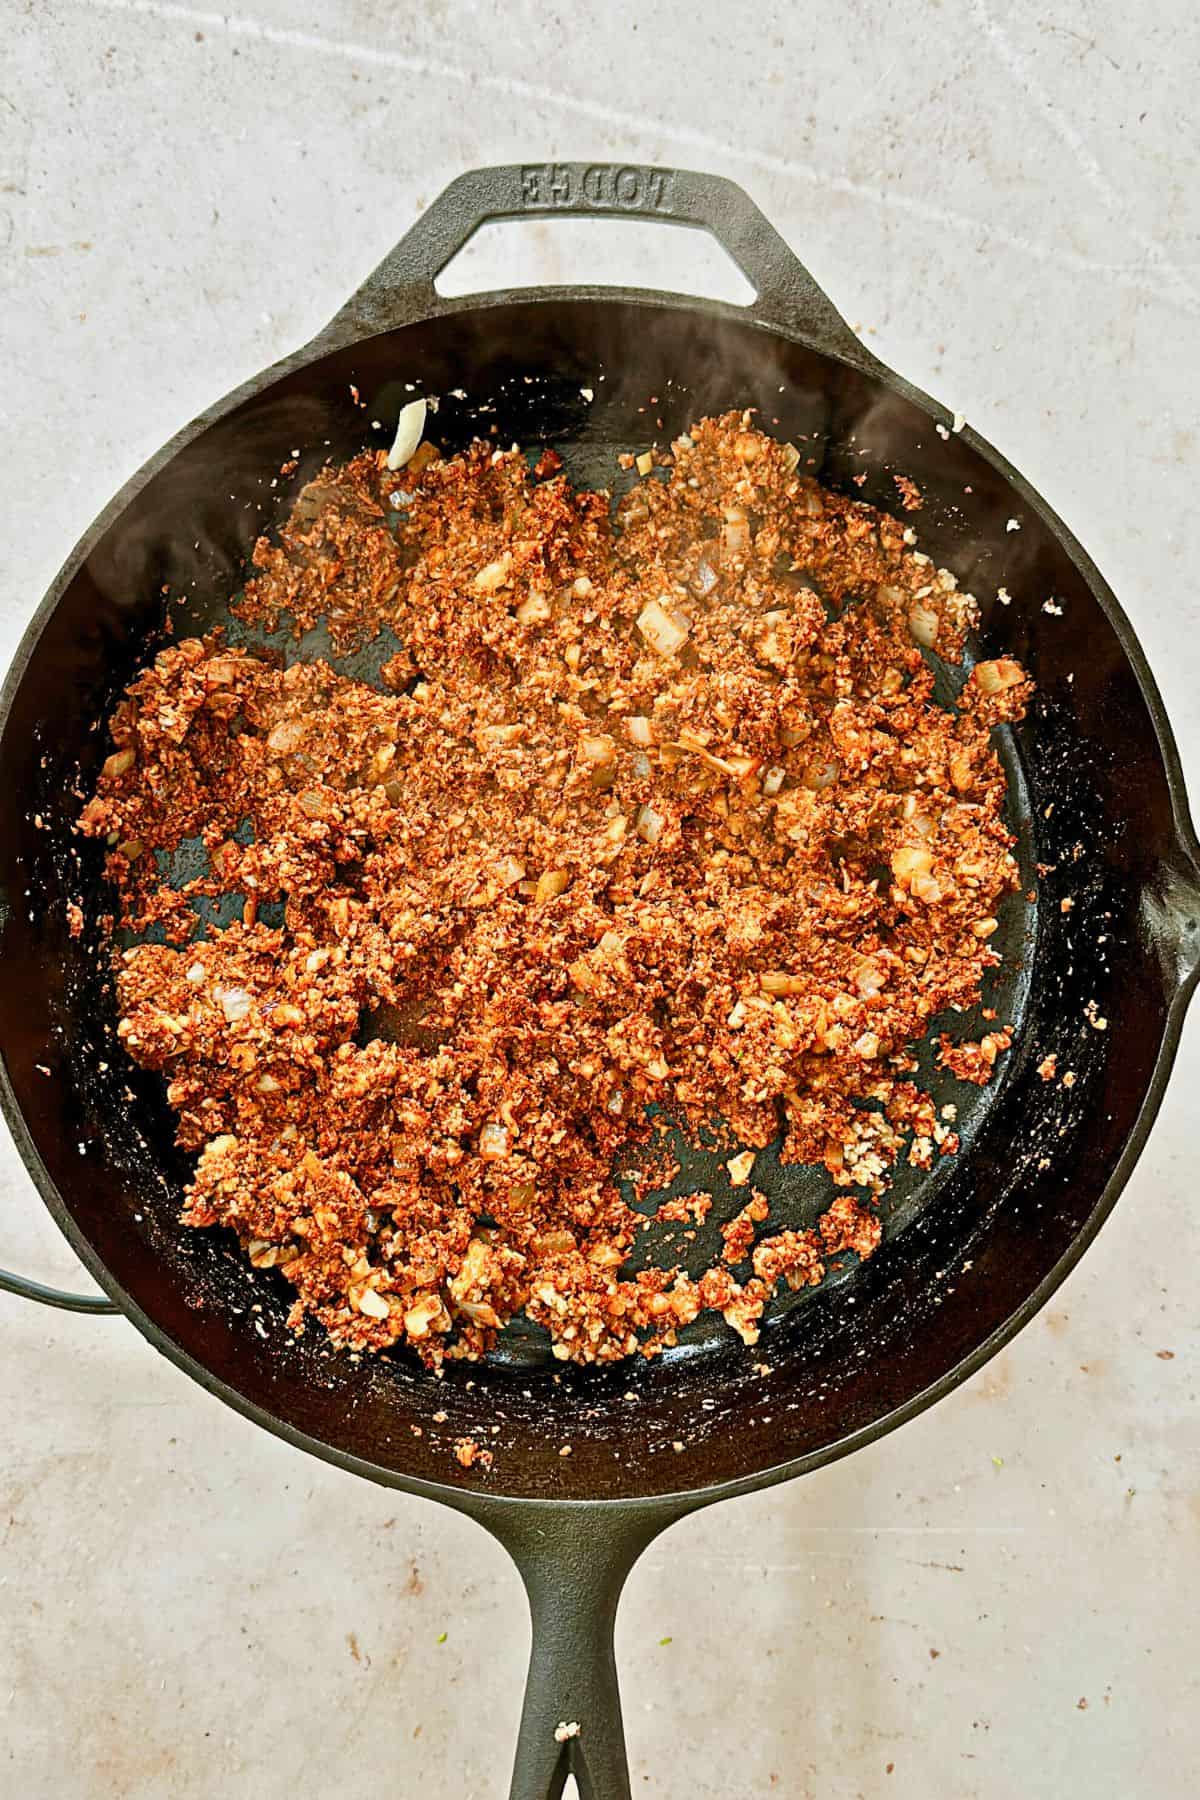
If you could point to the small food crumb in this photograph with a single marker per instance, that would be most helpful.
(442, 1636)
(1081, 1704)
(665, 1640)
(566, 1450)
(942, 432)
(469, 1453)
(959, 421)
(1165, 1355)
(1066, 904)
(1003, 596)
(566, 1729)
(911, 498)
(998, 1461)
(1048, 1067)
(1053, 608)
(1013, 525)
(739, 1168)
(1068, 1079)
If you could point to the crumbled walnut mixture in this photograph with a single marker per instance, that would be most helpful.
(973, 1062)
(653, 809)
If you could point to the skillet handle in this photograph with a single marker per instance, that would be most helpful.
(573, 1561)
(787, 298)
(26, 1289)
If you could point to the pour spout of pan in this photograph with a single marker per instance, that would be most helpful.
(1171, 917)
(574, 1561)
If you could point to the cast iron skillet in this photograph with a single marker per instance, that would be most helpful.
(969, 1255)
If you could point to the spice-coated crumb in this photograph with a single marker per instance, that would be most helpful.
(650, 809)
(911, 498)
(468, 1453)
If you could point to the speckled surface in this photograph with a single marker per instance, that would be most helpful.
(1002, 1598)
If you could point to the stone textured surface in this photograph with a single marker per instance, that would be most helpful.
(1002, 1598)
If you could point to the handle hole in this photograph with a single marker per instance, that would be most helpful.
(550, 252)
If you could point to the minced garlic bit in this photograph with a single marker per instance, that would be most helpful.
(636, 816)
(410, 428)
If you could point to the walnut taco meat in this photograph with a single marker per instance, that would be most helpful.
(654, 805)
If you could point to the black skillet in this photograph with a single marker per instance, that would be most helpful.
(970, 1253)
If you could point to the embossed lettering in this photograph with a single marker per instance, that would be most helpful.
(592, 184)
(627, 186)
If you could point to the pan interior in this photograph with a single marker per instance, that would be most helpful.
(963, 1245)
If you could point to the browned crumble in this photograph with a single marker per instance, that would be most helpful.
(654, 811)
(684, 1207)
(973, 1062)
(468, 1453)
(911, 497)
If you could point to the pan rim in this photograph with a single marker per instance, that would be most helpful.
(1185, 844)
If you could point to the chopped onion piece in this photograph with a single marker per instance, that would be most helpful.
(706, 577)
(410, 428)
(495, 575)
(735, 532)
(508, 871)
(649, 824)
(234, 1003)
(493, 1141)
(923, 624)
(994, 677)
(662, 630)
(535, 609)
(550, 884)
(772, 781)
(638, 729)
(820, 775)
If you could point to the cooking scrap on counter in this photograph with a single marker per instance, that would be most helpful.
(655, 806)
